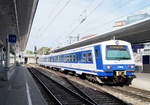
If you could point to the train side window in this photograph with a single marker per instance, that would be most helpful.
(52, 59)
(71, 58)
(65, 58)
(57, 58)
(79, 57)
(89, 59)
(83, 57)
(74, 58)
(68, 58)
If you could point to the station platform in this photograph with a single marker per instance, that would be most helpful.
(142, 81)
(21, 89)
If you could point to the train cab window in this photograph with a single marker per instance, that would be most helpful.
(89, 59)
(117, 52)
(83, 57)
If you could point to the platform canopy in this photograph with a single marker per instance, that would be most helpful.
(16, 17)
(135, 33)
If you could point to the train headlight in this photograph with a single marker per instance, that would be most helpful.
(109, 67)
(131, 67)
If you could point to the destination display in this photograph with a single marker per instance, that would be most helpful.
(116, 46)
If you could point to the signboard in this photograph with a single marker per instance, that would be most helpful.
(120, 23)
(12, 38)
(88, 36)
(137, 46)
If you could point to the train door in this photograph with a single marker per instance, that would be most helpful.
(98, 56)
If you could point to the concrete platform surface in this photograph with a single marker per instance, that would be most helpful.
(142, 81)
(21, 89)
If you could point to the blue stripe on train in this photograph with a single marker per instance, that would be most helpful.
(119, 67)
(99, 73)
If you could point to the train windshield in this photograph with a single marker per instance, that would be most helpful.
(117, 52)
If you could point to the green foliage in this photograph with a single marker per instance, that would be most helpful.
(43, 51)
(29, 52)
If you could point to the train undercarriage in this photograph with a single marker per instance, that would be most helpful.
(118, 79)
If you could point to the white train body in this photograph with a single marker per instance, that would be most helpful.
(106, 60)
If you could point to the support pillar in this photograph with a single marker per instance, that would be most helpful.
(7, 61)
(1, 57)
(7, 55)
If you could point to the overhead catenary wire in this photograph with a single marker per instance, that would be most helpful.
(121, 6)
(112, 20)
(40, 29)
(84, 10)
(84, 19)
(129, 1)
(57, 14)
(51, 12)
(53, 19)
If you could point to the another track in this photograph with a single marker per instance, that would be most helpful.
(78, 94)
(61, 94)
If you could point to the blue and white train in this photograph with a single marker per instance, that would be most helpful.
(110, 61)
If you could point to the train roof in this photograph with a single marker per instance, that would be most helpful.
(87, 46)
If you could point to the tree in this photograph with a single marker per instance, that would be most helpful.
(43, 51)
(29, 52)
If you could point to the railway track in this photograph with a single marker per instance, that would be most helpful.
(99, 97)
(134, 92)
(130, 94)
(61, 94)
(90, 95)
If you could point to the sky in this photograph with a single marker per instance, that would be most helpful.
(56, 20)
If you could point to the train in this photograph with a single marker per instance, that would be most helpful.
(108, 62)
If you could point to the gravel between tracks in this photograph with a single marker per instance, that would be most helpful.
(124, 97)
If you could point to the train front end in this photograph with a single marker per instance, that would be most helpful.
(118, 62)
